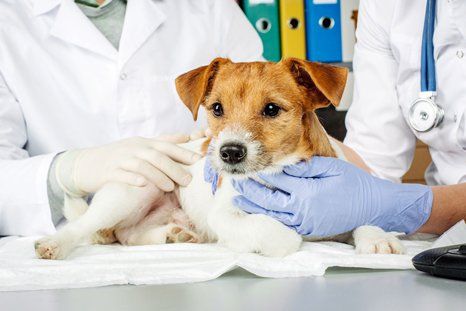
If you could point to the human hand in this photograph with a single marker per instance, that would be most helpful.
(203, 132)
(327, 196)
(134, 161)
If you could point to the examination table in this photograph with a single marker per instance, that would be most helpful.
(339, 289)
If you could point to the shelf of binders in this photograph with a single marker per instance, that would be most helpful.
(316, 30)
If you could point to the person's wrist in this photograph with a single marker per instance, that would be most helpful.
(409, 206)
(65, 173)
(421, 209)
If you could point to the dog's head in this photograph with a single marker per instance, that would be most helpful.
(261, 114)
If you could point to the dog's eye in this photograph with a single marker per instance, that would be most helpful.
(217, 109)
(271, 110)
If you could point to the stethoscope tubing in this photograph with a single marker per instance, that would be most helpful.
(424, 113)
(428, 77)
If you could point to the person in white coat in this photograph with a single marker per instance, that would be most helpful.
(387, 69)
(330, 196)
(73, 78)
(387, 72)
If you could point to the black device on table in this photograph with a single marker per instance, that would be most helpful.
(447, 262)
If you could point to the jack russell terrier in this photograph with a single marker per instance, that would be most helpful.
(262, 118)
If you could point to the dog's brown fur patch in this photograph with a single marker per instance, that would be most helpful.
(244, 89)
(105, 236)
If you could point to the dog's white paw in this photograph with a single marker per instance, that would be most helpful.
(373, 240)
(265, 236)
(48, 248)
(178, 234)
(280, 242)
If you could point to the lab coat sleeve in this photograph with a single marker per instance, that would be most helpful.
(377, 130)
(24, 207)
(235, 36)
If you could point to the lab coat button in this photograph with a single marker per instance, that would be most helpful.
(460, 54)
(123, 76)
(455, 118)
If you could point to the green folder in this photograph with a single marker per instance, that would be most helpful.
(263, 15)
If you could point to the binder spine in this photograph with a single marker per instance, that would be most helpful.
(292, 28)
(264, 16)
(323, 28)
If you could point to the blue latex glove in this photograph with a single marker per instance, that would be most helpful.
(210, 175)
(327, 196)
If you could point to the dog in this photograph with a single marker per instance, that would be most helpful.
(262, 118)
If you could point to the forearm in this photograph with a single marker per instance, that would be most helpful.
(449, 204)
(449, 207)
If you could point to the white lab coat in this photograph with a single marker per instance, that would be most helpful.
(387, 80)
(63, 85)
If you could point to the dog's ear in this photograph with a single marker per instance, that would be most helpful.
(195, 85)
(323, 84)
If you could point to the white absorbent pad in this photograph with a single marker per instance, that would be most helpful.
(100, 265)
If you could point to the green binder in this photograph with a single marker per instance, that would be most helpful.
(263, 15)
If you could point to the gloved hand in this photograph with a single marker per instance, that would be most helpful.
(210, 175)
(135, 161)
(327, 196)
(203, 132)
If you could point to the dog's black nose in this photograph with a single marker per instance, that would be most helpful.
(232, 153)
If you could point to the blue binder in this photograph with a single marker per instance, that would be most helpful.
(323, 30)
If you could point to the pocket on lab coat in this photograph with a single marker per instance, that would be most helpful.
(168, 113)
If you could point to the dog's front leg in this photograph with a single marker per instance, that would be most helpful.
(110, 206)
(373, 240)
(244, 232)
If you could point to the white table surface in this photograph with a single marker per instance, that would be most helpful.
(339, 289)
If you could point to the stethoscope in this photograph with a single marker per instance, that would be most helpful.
(424, 113)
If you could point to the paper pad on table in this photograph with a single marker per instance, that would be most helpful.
(100, 265)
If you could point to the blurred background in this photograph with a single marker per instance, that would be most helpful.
(322, 31)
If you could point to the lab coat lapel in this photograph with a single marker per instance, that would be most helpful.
(142, 18)
(73, 26)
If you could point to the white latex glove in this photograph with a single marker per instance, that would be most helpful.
(135, 161)
(205, 132)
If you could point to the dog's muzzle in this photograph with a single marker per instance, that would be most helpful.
(233, 153)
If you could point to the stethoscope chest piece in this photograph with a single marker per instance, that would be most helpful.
(425, 115)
